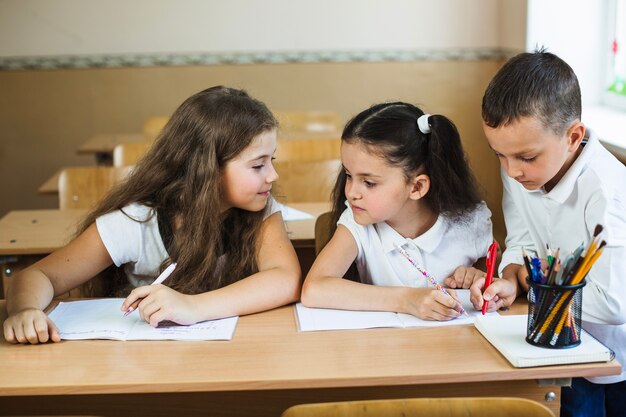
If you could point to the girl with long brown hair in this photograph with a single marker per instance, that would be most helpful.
(200, 198)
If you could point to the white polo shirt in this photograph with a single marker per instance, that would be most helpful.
(592, 191)
(440, 250)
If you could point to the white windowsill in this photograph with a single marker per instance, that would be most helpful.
(610, 125)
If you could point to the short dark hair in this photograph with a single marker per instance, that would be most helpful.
(533, 84)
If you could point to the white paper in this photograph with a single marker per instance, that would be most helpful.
(103, 319)
(313, 319)
(291, 214)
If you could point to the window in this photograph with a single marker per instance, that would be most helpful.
(616, 75)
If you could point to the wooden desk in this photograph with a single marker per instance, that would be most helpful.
(266, 367)
(27, 235)
(102, 145)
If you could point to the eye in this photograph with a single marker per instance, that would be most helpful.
(258, 167)
(498, 155)
(528, 159)
(369, 184)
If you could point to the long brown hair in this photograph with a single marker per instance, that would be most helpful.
(180, 176)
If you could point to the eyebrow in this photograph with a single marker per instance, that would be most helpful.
(524, 152)
(263, 156)
(362, 174)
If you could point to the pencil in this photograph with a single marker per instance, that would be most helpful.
(429, 277)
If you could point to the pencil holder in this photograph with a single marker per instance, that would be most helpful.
(554, 315)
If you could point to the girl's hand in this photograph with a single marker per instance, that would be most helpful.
(30, 326)
(159, 303)
(463, 277)
(432, 304)
(501, 293)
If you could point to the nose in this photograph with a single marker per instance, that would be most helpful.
(351, 191)
(272, 174)
(513, 168)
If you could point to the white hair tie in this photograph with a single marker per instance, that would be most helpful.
(422, 123)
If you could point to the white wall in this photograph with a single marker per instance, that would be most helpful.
(70, 27)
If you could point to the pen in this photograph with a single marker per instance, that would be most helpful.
(429, 277)
(491, 264)
(162, 277)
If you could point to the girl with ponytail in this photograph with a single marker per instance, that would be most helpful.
(405, 184)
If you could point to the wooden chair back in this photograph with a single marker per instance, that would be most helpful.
(126, 154)
(84, 187)
(152, 126)
(431, 407)
(308, 121)
(305, 182)
(324, 230)
(308, 149)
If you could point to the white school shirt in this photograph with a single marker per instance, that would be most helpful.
(133, 240)
(440, 250)
(592, 191)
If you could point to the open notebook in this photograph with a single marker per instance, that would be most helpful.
(312, 319)
(508, 335)
(103, 319)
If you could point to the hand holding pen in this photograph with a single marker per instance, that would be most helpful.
(492, 252)
(429, 277)
(162, 277)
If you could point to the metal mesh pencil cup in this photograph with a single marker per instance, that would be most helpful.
(554, 315)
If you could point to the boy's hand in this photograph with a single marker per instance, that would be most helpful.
(463, 277)
(432, 304)
(30, 326)
(159, 303)
(501, 293)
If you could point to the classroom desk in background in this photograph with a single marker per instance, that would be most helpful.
(27, 235)
(102, 145)
(267, 367)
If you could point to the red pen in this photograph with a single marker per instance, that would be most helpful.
(491, 264)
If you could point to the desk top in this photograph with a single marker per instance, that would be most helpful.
(32, 232)
(267, 352)
(106, 142)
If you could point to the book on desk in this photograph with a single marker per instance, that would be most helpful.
(508, 335)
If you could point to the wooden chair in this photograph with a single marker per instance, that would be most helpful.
(126, 154)
(84, 187)
(306, 182)
(308, 149)
(308, 121)
(324, 230)
(427, 407)
(152, 126)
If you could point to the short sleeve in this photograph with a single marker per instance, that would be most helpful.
(120, 232)
(356, 230)
(483, 230)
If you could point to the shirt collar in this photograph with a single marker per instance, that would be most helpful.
(427, 241)
(564, 188)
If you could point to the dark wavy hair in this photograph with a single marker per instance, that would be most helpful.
(180, 176)
(390, 129)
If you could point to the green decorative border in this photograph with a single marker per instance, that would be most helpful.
(173, 60)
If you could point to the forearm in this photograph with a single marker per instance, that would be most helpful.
(339, 293)
(259, 292)
(29, 289)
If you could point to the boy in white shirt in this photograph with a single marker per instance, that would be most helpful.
(559, 183)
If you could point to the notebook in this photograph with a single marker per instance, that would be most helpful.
(103, 319)
(314, 319)
(508, 335)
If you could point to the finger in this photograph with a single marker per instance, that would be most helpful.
(158, 317)
(450, 282)
(53, 331)
(30, 334)
(9, 334)
(41, 328)
(476, 293)
(147, 307)
(136, 295)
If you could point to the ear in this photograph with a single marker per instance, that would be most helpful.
(420, 184)
(575, 135)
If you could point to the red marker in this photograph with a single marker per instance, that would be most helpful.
(491, 264)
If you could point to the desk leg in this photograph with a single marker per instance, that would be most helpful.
(259, 403)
